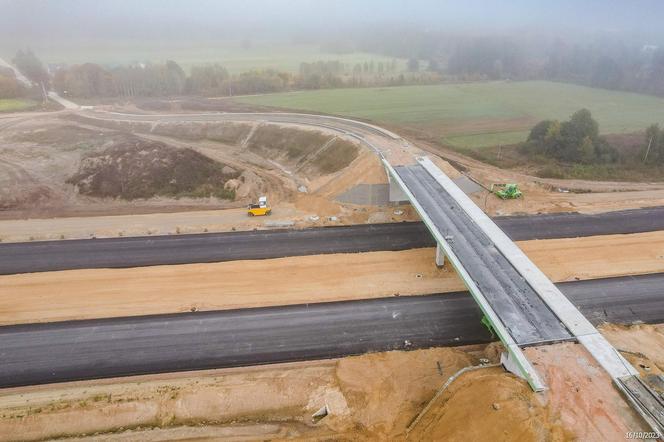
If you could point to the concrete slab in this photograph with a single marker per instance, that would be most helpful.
(467, 185)
(366, 195)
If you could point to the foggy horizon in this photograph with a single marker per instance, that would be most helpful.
(34, 22)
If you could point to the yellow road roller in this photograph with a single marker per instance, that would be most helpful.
(260, 209)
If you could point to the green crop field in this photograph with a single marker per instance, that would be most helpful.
(284, 56)
(477, 114)
(14, 105)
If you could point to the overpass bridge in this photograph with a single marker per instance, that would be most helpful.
(520, 304)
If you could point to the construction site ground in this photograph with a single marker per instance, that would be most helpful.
(375, 396)
(40, 152)
(94, 293)
(369, 397)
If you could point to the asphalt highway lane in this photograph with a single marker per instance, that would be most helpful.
(42, 256)
(33, 354)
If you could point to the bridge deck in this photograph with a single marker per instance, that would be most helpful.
(524, 314)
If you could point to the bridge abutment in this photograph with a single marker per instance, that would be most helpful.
(395, 193)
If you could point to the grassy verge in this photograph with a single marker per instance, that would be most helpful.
(16, 104)
(510, 157)
(486, 139)
(603, 172)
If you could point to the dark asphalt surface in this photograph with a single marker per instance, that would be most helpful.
(572, 225)
(207, 247)
(527, 318)
(77, 350)
(627, 299)
(216, 247)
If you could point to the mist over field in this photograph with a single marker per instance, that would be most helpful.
(31, 21)
(471, 74)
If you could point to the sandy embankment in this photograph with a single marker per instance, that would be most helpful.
(79, 294)
(369, 397)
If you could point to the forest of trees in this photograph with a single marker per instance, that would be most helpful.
(429, 57)
(654, 145)
(320, 75)
(10, 87)
(169, 79)
(619, 68)
(91, 80)
(487, 58)
(592, 61)
(28, 64)
(574, 141)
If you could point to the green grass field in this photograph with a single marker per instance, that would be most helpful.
(284, 56)
(472, 115)
(15, 105)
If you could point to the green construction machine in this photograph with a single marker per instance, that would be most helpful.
(506, 191)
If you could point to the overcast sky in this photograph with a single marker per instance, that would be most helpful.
(30, 19)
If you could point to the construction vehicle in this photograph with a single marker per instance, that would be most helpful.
(506, 191)
(260, 209)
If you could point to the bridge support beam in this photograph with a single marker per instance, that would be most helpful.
(396, 193)
(440, 256)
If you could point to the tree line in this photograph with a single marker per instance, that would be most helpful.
(617, 67)
(29, 65)
(576, 140)
(431, 58)
(90, 80)
(169, 79)
(589, 60)
(654, 145)
(10, 87)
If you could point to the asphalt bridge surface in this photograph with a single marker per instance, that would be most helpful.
(521, 310)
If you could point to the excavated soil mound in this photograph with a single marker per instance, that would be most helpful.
(232, 133)
(305, 152)
(488, 404)
(134, 168)
(68, 135)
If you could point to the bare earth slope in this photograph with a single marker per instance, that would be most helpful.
(369, 397)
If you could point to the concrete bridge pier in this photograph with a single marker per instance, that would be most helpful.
(440, 256)
(396, 193)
